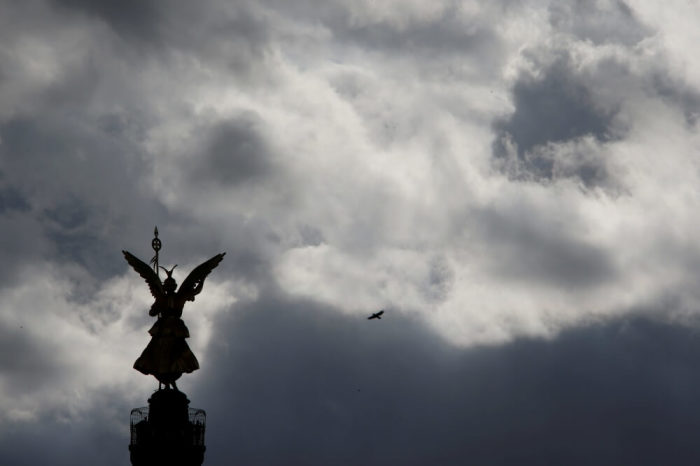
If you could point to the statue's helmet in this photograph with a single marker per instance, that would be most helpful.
(169, 284)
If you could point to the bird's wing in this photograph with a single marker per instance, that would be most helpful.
(195, 280)
(147, 273)
(380, 312)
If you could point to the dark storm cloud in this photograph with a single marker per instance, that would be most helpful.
(236, 152)
(72, 91)
(11, 200)
(78, 181)
(22, 241)
(140, 18)
(27, 365)
(553, 108)
(286, 381)
(556, 107)
(234, 35)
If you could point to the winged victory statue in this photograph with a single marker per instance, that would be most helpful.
(167, 356)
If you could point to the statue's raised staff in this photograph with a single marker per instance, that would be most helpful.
(167, 355)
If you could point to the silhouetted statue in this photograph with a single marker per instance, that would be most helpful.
(376, 315)
(167, 355)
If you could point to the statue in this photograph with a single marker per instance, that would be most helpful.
(167, 356)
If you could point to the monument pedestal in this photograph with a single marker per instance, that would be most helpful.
(167, 432)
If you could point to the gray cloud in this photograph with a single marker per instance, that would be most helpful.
(437, 33)
(27, 365)
(599, 22)
(678, 94)
(11, 200)
(78, 183)
(236, 153)
(440, 37)
(23, 243)
(555, 107)
(540, 250)
(130, 18)
(440, 279)
(232, 36)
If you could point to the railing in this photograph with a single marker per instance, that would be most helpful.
(141, 430)
(198, 421)
(139, 423)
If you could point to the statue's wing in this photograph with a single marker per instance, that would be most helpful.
(146, 272)
(195, 280)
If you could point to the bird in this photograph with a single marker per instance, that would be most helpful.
(376, 315)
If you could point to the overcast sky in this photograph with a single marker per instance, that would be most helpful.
(517, 183)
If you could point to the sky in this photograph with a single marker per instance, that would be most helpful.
(517, 184)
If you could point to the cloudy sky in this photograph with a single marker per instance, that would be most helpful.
(516, 182)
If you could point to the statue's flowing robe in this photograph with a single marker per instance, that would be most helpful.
(167, 356)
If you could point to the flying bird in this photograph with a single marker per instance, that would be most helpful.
(376, 315)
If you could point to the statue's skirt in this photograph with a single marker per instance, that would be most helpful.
(167, 355)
